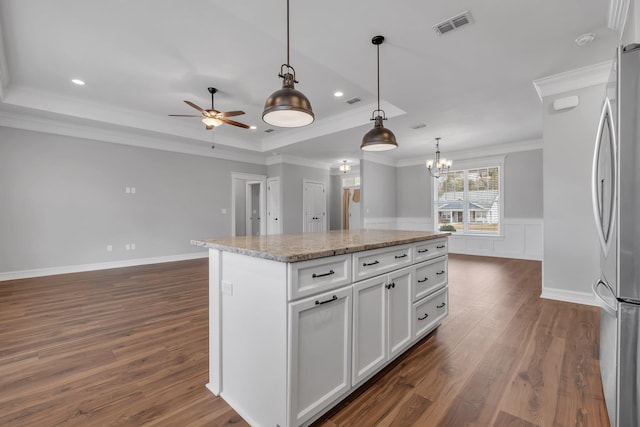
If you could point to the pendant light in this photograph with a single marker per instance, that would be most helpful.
(344, 167)
(288, 107)
(379, 138)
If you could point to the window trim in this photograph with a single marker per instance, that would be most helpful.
(466, 165)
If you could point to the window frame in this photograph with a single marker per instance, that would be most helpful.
(464, 166)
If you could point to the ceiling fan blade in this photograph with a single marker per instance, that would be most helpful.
(232, 122)
(231, 113)
(184, 115)
(203, 111)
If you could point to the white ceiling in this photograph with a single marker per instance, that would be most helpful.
(140, 59)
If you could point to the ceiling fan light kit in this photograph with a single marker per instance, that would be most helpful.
(379, 138)
(212, 117)
(288, 107)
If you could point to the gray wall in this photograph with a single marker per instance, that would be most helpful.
(63, 200)
(523, 185)
(414, 195)
(292, 177)
(378, 186)
(241, 206)
(571, 254)
(335, 203)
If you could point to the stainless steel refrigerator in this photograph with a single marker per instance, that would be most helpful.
(616, 205)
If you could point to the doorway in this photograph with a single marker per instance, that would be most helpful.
(247, 195)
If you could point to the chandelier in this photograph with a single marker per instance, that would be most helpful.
(442, 165)
(344, 167)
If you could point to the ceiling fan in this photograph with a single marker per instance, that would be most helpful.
(212, 117)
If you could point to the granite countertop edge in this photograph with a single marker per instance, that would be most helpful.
(313, 254)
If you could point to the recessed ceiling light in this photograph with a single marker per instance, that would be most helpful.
(338, 94)
(253, 127)
(585, 39)
(78, 82)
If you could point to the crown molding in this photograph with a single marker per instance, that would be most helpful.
(378, 158)
(299, 161)
(617, 16)
(489, 151)
(123, 137)
(579, 78)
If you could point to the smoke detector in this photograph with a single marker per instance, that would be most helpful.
(453, 23)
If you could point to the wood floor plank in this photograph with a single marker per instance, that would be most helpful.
(129, 347)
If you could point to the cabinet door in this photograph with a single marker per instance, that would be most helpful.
(369, 327)
(399, 303)
(319, 352)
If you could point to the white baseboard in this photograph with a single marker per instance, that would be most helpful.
(24, 274)
(585, 298)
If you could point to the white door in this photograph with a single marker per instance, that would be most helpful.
(274, 220)
(314, 206)
(369, 327)
(400, 310)
(319, 352)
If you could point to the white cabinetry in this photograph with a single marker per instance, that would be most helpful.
(289, 340)
(319, 352)
(382, 321)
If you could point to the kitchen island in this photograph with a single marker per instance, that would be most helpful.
(297, 322)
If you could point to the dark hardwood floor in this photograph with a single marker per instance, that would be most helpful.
(128, 347)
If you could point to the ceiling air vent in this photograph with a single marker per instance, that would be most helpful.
(453, 23)
(269, 130)
(353, 100)
(420, 126)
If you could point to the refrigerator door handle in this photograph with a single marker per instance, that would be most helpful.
(604, 304)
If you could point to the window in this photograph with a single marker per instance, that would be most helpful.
(470, 200)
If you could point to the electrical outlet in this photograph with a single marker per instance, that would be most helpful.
(223, 211)
(127, 190)
(133, 190)
(127, 247)
(109, 248)
(133, 246)
(227, 288)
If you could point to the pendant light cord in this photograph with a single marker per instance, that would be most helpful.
(288, 34)
(378, 46)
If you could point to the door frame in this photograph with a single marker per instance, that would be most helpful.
(262, 180)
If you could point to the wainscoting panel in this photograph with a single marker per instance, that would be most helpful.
(522, 237)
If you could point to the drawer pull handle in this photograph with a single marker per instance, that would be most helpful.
(323, 274)
(441, 272)
(401, 256)
(441, 305)
(371, 263)
(391, 285)
(329, 300)
(421, 251)
(440, 247)
(423, 280)
(425, 316)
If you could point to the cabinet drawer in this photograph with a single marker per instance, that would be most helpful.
(430, 249)
(377, 261)
(428, 312)
(430, 276)
(318, 275)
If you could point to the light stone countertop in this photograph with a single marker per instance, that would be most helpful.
(301, 247)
